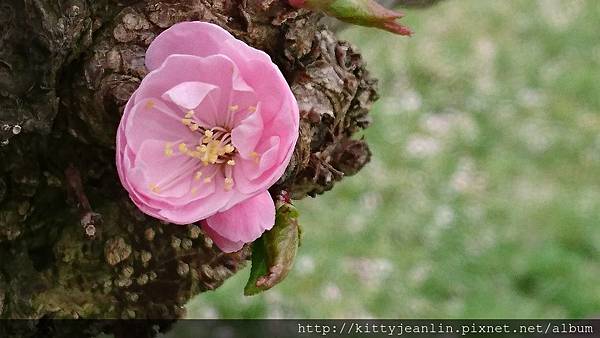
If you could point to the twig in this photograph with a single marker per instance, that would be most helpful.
(89, 218)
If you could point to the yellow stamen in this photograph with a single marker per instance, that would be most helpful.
(149, 104)
(228, 183)
(207, 180)
(189, 114)
(211, 152)
(229, 148)
(214, 147)
(194, 190)
(168, 150)
(255, 156)
(234, 107)
(154, 188)
(252, 109)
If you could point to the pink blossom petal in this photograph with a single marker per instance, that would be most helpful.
(201, 208)
(189, 38)
(201, 188)
(246, 221)
(151, 119)
(223, 243)
(200, 39)
(147, 209)
(259, 71)
(170, 176)
(121, 141)
(138, 192)
(253, 169)
(282, 125)
(136, 178)
(251, 175)
(190, 94)
(268, 158)
(236, 198)
(217, 70)
(266, 79)
(200, 97)
(242, 102)
(247, 133)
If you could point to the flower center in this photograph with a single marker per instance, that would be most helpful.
(214, 147)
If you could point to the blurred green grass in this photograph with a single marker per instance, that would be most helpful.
(483, 196)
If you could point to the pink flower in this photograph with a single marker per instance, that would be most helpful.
(208, 131)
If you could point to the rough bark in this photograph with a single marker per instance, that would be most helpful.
(72, 245)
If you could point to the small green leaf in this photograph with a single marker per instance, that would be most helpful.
(358, 12)
(273, 254)
(259, 267)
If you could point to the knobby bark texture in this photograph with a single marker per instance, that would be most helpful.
(72, 245)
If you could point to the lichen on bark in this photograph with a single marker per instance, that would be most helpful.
(66, 70)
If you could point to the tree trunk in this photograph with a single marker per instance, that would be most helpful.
(72, 245)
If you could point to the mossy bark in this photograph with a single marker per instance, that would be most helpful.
(72, 245)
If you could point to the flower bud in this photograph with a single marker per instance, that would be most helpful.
(359, 12)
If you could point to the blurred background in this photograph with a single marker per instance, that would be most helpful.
(482, 198)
